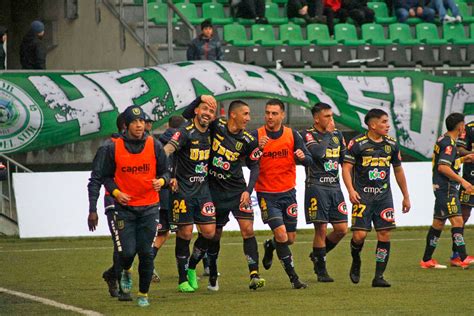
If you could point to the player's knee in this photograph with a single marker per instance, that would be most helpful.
(208, 234)
(340, 233)
(247, 232)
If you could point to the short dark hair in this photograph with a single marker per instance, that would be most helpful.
(453, 120)
(175, 121)
(206, 23)
(318, 107)
(234, 105)
(276, 102)
(374, 113)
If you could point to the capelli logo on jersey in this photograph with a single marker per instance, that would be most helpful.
(276, 154)
(375, 174)
(145, 168)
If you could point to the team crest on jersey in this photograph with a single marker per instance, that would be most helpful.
(388, 215)
(335, 140)
(238, 146)
(176, 136)
(208, 209)
(292, 210)
(256, 154)
(342, 208)
(388, 149)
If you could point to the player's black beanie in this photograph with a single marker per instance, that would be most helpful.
(132, 113)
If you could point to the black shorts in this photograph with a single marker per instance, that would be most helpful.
(227, 202)
(164, 225)
(381, 213)
(447, 204)
(324, 204)
(279, 209)
(466, 198)
(197, 209)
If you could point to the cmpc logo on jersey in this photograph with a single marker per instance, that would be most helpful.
(375, 174)
(21, 118)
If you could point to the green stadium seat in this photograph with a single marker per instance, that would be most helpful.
(224, 2)
(200, 1)
(471, 30)
(455, 34)
(373, 33)
(174, 1)
(428, 33)
(236, 35)
(291, 34)
(465, 12)
(381, 13)
(281, 3)
(272, 14)
(245, 21)
(158, 13)
(263, 34)
(413, 21)
(346, 34)
(190, 12)
(400, 33)
(319, 34)
(215, 12)
(298, 21)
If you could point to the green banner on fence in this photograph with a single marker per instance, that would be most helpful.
(40, 110)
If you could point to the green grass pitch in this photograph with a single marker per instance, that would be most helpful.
(69, 271)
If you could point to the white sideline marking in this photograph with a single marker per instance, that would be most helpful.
(172, 245)
(49, 302)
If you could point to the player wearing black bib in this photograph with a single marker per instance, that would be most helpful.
(191, 201)
(366, 174)
(446, 165)
(231, 147)
(324, 201)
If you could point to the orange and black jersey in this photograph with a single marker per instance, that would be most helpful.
(372, 161)
(191, 158)
(466, 140)
(328, 151)
(228, 152)
(445, 153)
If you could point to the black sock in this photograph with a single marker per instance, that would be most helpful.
(355, 250)
(251, 253)
(431, 243)
(458, 242)
(382, 254)
(330, 245)
(199, 250)
(286, 259)
(319, 255)
(182, 255)
(212, 255)
(155, 252)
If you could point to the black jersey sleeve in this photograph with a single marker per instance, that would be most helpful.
(188, 112)
(316, 148)
(352, 152)
(396, 156)
(299, 144)
(447, 152)
(252, 160)
(96, 179)
(180, 138)
(162, 162)
(342, 141)
(108, 168)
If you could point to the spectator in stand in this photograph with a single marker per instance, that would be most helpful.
(442, 6)
(309, 10)
(3, 40)
(405, 9)
(32, 49)
(332, 8)
(357, 10)
(205, 46)
(249, 9)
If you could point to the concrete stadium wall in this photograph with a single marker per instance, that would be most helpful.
(60, 209)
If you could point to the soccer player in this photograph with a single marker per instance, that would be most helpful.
(276, 194)
(191, 199)
(231, 145)
(465, 146)
(112, 275)
(324, 201)
(134, 167)
(366, 174)
(446, 165)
